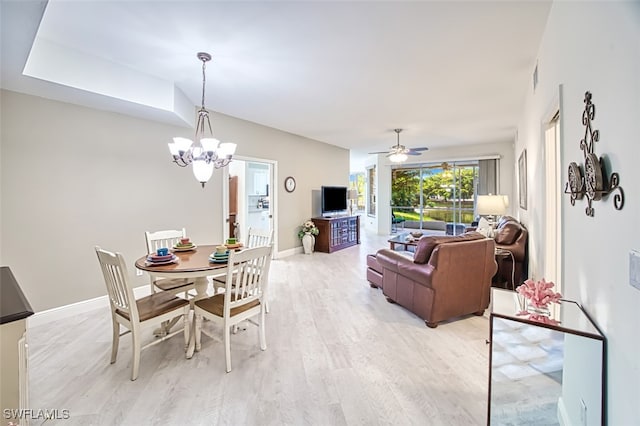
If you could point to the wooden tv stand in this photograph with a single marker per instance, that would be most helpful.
(337, 232)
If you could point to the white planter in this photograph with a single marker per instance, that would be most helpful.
(308, 242)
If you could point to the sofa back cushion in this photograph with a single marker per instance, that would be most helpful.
(426, 245)
(508, 233)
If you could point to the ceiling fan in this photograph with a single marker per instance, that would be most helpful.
(398, 153)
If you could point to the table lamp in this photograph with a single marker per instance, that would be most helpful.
(492, 206)
(352, 195)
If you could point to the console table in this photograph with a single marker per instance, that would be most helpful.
(546, 367)
(337, 233)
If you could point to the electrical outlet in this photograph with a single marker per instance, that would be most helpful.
(583, 413)
(138, 272)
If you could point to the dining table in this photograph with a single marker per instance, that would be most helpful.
(193, 264)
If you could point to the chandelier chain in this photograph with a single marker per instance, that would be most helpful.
(204, 80)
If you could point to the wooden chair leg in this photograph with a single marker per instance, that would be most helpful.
(227, 346)
(136, 354)
(197, 321)
(263, 340)
(185, 325)
(116, 340)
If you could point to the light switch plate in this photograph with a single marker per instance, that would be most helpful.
(634, 268)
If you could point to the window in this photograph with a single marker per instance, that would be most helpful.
(371, 191)
(357, 181)
(444, 191)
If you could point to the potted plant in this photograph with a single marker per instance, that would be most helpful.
(307, 233)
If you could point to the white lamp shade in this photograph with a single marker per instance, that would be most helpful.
(183, 144)
(352, 194)
(202, 170)
(209, 144)
(226, 149)
(492, 204)
(173, 148)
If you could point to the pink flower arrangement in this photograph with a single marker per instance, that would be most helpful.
(539, 293)
(543, 319)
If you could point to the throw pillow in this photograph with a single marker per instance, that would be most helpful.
(485, 228)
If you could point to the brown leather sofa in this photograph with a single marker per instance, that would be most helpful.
(374, 271)
(449, 276)
(512, 236)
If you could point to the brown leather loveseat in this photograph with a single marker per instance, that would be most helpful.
(449, 276)
(512, 236)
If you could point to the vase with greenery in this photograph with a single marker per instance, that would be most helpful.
(307, 234)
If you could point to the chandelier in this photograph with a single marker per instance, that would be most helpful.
(206, 152)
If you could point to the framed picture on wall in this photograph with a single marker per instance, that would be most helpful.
(522, 179)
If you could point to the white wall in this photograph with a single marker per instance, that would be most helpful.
(74, 177)
(382, 222)
(593, 46)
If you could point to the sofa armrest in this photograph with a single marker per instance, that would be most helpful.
(389, 259)
(403, 265)
(518, 248)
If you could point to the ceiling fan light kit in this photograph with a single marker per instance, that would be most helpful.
(400, 153)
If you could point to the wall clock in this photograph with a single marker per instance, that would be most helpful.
(290, 184)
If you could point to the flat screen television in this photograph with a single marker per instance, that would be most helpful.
(334, 199)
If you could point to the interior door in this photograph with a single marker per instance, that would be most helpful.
(233, 205)
(250, 197)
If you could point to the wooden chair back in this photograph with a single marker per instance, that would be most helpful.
(167, 238)
(116, 278)
(259, 237)
(247, 278)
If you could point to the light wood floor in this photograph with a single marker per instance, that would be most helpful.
(338, 354)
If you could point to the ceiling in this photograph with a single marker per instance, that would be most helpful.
(345, 73)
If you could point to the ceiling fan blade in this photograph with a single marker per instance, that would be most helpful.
(379, 152)
(415, 151)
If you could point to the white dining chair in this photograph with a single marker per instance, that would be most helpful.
(255, 238)
(168, 239)
(126, 311)
(243, 298)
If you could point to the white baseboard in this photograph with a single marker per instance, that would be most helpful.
(61, 312)
(289, 252)
(563, 416)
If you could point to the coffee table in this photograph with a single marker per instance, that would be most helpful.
(407, 240)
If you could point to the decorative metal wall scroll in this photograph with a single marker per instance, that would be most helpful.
(594, 183)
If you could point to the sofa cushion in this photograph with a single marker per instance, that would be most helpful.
(426, 245)
(434, 225)
(508, 233)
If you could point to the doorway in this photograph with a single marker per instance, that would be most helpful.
(553, 224)
(249, 196)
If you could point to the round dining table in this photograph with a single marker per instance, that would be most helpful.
(193, 264)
